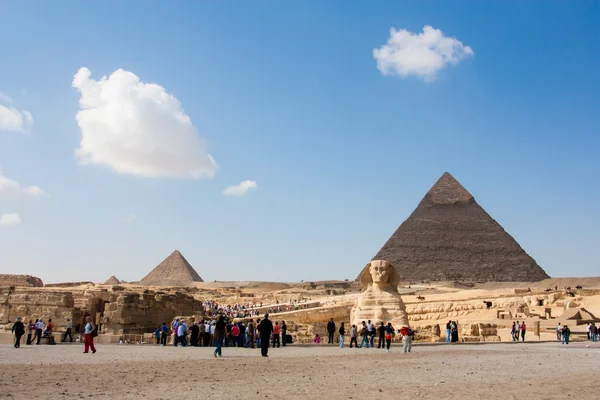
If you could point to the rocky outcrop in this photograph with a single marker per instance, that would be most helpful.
(8, 280)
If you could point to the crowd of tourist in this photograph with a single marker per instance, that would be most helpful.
(251, 309)
(220, 330)
(224, 332)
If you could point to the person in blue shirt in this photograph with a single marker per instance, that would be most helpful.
(164, 334)
(157, 333)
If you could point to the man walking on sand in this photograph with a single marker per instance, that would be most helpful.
(330, 330)
(265, 328)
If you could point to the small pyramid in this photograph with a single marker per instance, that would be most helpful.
(449, 237)
(173, 268)
(112, 281)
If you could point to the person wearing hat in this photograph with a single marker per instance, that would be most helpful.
(265, 328)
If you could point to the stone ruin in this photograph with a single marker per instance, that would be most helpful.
(380, 301)
(20, 280)
(116, 311)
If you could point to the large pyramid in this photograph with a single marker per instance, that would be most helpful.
(173, 268)
(449, 237)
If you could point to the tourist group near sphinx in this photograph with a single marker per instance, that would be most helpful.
(449, 273)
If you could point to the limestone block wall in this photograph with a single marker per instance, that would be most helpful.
(30, 303)
(8, 280)
(132, 312)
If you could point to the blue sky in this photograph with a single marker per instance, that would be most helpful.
(289, 95)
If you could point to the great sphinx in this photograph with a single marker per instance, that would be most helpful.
(380, 301)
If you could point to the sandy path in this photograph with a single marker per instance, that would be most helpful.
(506, 371)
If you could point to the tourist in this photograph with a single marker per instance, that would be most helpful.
(265, 328)
(371, 329)
(559, 332)
(449, 331)
(381, 334)
(195, 329)
(18, 329)
(206, 334)
(164, 333)
(566, 333)
(175, 329)
(407, 337)
(258, 341)
(250, 329)
(235, 335)
(353, 336)
(364, 333)
(157, 332)
(342, 331)
(454, 332)
(212, 333)
(523, 330)
(88, 339)
(30, 330)
(594, 332)
(284, 333)
(39, 328)
(201, 331)
(68, 332)
(389, 332)
(317, 339)
(182, 332)
(330, 331)
(218, 336)
(518, 330)
(588, 329)
(242, 337)
(276, 333)
(513, 332)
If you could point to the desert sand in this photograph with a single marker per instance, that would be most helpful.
(492, 371)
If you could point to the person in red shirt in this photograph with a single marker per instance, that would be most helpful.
(523, 329)
(235, 333)
(276, 334)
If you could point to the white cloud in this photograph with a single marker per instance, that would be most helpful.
(12, 118)
(423, 54)
(11, 188)
(130, 218)
(137, 128)
(9, 219)
(241, 189)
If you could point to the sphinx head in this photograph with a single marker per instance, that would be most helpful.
(379, 272)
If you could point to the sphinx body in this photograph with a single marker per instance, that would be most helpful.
(380, 302)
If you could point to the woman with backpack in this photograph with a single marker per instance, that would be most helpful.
(88, 336)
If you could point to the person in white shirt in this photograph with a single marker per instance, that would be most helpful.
(212, 334)
(39, 327)
(559, 331)
(589, 327)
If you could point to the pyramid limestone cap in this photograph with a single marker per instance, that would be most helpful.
(447, 190)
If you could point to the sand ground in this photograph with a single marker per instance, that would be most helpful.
(491, 371)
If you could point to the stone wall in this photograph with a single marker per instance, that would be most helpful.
(8, 280)
(132, 312)
(31, 304)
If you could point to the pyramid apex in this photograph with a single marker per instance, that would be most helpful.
(447, 190)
